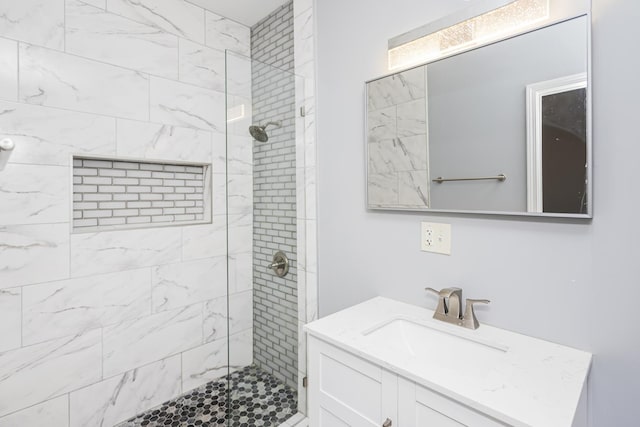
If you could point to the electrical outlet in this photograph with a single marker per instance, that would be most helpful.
(436, 237)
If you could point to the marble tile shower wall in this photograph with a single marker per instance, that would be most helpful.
(97, 327)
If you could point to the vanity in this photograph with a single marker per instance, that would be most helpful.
(388, 363)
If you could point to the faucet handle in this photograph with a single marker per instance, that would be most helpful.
(441, 310)
(470, 320)
(448, 303)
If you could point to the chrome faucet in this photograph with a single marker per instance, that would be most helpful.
(448, 309)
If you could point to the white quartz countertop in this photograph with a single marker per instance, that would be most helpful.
(527, 382)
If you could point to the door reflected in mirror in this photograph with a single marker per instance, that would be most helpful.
(499, 129)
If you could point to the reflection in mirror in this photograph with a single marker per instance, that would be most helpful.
(515, 108)
(397, 141)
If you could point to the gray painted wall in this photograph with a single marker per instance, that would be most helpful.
(575, 283)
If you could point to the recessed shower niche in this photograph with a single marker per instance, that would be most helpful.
(117, 193)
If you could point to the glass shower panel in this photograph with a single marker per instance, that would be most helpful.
(263, 133)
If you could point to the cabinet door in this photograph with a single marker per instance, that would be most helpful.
(420, 407)
(346, 391)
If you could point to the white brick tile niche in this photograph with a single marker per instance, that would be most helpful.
(117, 194)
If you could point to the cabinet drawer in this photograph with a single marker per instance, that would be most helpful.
(422, 407)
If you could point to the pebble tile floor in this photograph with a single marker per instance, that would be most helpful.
(258, 399)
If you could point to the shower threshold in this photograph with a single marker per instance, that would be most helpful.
(257, 399)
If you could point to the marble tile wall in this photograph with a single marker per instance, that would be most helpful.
(99, 326)
(397, 172)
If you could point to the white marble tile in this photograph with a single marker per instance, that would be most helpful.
(30, 375)
(413, 189)
(312, 296)
(240, 233)
(381, 124)
(240, 194)
(239, 115)
(412, 118)
(49, 135)
(397, 89)
(116, 399)
(223, 33)
(55, 411)
(309, 194)
(68, 307)
(215, 323)
(33, 253)
(300, 6)
(219, 186)
(311, 236)
(39, 22)
(211, 361)
(163, 142)
(219, 153)
(382, 189)
(187, 283)
(174, 16)
(304, 46)
(134, 343)
(8, 69)
(241, 350)
(202, 66)
(205, 241)
(241, 272)
(240, 155)
(240, 311)
(102, 4)
(93, 33)
(34, 194)
(55, 79)
(239, 75)
(182, 104)
(398, 154)
(10, 319)
(105, 252)
(204, 364)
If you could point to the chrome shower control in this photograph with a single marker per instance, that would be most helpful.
(280, 264)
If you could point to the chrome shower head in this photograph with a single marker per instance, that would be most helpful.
(259, 133)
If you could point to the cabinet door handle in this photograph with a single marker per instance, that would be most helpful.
(387, 423)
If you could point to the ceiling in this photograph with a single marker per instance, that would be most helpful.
(247, 12)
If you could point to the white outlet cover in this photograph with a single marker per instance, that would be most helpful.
(436, 237)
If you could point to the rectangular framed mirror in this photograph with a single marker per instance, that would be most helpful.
(500, 129)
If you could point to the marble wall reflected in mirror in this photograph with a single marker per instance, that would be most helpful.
(517, 108)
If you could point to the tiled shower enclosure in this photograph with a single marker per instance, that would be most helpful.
(101, 319)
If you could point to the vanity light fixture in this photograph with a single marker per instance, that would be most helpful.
(480, 23)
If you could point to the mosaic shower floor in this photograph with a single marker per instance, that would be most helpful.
(258, 399)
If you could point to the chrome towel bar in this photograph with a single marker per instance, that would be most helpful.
(502, 177)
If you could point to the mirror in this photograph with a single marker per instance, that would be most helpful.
(499, 129)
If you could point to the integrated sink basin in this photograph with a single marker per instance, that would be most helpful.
(432, 342)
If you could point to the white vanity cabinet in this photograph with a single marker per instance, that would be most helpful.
(347, 391)
(390, 364)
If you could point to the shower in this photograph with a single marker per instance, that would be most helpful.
(260, 132)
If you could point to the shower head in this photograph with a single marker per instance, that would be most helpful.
(260, 132)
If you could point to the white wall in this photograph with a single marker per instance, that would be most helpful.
(575, 283)
(97, 327)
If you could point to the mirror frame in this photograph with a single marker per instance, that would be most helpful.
(589, 134)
